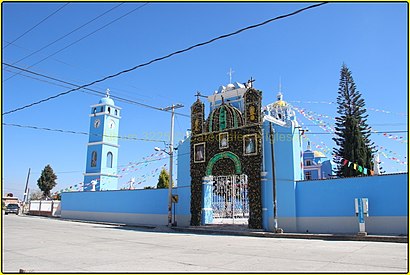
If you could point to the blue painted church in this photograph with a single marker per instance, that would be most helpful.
(228, 168)
(316, 165)
(102, 148)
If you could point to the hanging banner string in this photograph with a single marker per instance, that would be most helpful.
(357, 167)
(368, 108)
(316, 119)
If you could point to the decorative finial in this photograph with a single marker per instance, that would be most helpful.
(308, 146)
(230, 75)
(223, 100)
(107, 93)
(280, 84)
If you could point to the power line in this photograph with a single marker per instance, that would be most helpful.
(89, 89)
(26, 32)
(373, 132)
(64, 36)
(78, 40)
(167, 56)
(81, 133)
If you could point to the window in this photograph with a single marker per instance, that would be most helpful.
(102, 109)
(308, 175)
(116, 112)
(94, 159)
(109, 110)
(109, 159)
(308, 162)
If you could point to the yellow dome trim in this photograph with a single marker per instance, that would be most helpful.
(280, 103)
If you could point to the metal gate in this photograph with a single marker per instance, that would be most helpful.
(230, 202)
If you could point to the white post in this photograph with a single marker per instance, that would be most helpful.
(171, 159)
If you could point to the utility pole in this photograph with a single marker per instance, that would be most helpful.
(171, 161)
(26, 188)
(275, 208)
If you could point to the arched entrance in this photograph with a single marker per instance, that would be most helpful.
(225, 197)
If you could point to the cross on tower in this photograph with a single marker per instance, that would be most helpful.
(230, 74)
(198, 94)
(249, 84)
(107, 93)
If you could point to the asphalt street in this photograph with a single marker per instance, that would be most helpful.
(36, 244)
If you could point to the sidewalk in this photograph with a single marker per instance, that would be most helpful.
(243, 231)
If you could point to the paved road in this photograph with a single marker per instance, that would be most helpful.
(38, 244)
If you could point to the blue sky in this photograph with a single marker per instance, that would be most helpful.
(305, 51)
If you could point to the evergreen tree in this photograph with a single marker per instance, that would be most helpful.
(47, 180)
(352, 131)
(163, 180)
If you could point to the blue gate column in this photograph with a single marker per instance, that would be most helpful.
(266, 201)
(207, 212)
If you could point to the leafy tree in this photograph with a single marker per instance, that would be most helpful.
(47, 180)
(163, 180)
(149, 187)
(352, 131)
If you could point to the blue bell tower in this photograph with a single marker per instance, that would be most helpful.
(102, 148)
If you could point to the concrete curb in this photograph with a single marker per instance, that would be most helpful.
(330, 237)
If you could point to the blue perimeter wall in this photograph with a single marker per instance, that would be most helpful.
(134, 207)
(321, 206)
(388, 196)
(327, 206)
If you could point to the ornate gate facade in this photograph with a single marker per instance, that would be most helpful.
(230, 202)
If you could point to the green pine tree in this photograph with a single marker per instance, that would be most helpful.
(352, 131)
(47, 180)
(163, 180)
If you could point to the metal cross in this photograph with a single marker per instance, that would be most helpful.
(107, 93)
(250, 82)
(198, 94)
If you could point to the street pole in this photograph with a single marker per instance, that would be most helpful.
(275, 209)
(171, 160)
(25, 189)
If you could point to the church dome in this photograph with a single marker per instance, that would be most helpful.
(106, 100)
(280, 102)
(318, 154)
(224, 117)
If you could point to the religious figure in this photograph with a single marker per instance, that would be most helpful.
(252, 113)
(199, 152)
(250, 147)
(223, 140)
(196, 125)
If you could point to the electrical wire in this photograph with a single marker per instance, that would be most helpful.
(168, 56)
(373, 132)
(122, 99)
(81, 133)
(78, 40)
(26, 32)
(64, 36)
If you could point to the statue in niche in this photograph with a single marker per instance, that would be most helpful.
(252, 113)
(196, 125)
(250, 145)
